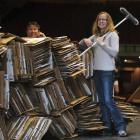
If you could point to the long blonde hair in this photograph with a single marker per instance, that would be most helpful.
(110, 24)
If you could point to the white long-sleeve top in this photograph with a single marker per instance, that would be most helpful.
(104, 56)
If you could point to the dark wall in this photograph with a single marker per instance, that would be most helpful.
(129, 81)
(73, 20)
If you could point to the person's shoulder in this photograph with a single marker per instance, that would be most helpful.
(113, 34)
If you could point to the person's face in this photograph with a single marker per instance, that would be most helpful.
(102, 21)
(32, 31)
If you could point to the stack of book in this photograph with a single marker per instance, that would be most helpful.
(64, 126)
(62, 94)
(87, 59)
(43, 87)
(4, 40)
(3, 128)
(21, 102)
(19, 62)
(17, 59)
(42, 60)
(3, 49)
(67, 58)
(4, 91)
(77, 87)
(51, 98)
(88, 116)
(28, 127)
(129, 111)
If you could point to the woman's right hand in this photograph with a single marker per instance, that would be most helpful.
(88, 42)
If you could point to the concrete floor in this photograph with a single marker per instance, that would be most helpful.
(133, 129)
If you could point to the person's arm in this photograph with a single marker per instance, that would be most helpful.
(113, 48)
(41, 34)
(85, 43)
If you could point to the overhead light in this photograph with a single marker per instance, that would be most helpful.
(125, 60)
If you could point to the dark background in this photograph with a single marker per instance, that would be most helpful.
(73, 19)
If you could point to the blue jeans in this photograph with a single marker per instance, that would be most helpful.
(104, 88)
